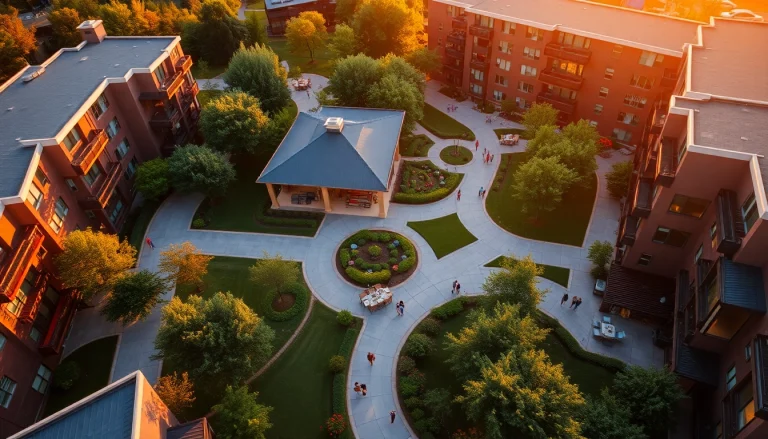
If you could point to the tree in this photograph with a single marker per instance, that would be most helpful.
(276, 129)
(490, 336)
(651, 395)
(233, 122)
(134, 296)
(117, 18)
(388, 26)
(395, 93)
(152, 179)
(178, 393)
(257, 30)
(539, 184)
(218, 34)
(16, 43)
(345, 10)
(438, 401)
(581, 133)
(194, 168)
(342, 42)
(537, 116)
(274, 273)
(427, 61)
(600, 253)
(64, 24)
(256, 70)
(399, 67)
(606, 418)
(92, 261)
(86, 9)
(523, 395)
(515, 283)
(184, 264)
(617, 179)
(578, 157)
(509, 106)
(351, 79)
(545, 135)
(306, 31)
(219, 341)
(239, 416)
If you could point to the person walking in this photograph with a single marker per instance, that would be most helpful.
(458, 288)
(401, 305)
(488, 157)
(491, 158)
(477, 144)
(392, 417)
(578, 302)
(307, 93)
(573, 301)
(453, 290)
(150, 243)
(483, 196)
(397, 308)
(458, 195)
(364, 388)
(357, 388)
(371, 357)
(480, 192)
(564, 299)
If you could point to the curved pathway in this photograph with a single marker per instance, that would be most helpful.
(384, 331)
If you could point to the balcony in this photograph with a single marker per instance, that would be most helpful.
(18, 262)
(160, 119)
(564, 105)
(730, 222)
(183, 64)
(101, 196)
(86, 156)
(560, 79)
(628, 230)
(682, 293)
(575, 54)
(760, 358)
(658, 117)
(481, 50)
(480, 31)
(188, 97)
(479, 64)
(459, 22)
(170, 86)
(453, 53)
(57, 330)
(667, 167)
(642, 198)
(454, 66)
(458, 38)
(29, 311)
(476, 94)
(694, 364)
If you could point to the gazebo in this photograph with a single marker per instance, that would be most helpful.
(339, 159)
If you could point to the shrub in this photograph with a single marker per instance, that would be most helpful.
(340, 393)
(359, 262)
(364, 278)
(344, 255)
(391, 246)
(299, 292)
(408, 389)
(373, 236)
(426, 425)
(66, 375)
(384, 266)
(354, 252)
(429, 326)
(417, 414)
(448, 309)
(385, 237)
(198, 223)
(394, 253)
(599, 272)
(418, 346)
(374, 251)
(366, 266)
(361, 242)
(392, 261)
(348, 343)
(406, 264)
(337, 364)
(405, 364)
(376, 267)
(413, 402)
(344, 318)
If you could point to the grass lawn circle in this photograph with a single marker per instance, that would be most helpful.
(373, 237)
(449, 155)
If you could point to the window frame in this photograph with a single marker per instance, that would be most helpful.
(38, 200)
(749, 209)
(684, 203)
(43, 380)
(644, 259)
(609, 76)
(600, 93)
(91, 179)
(6, 394)
(73, 137)
(58, 217)
(525, 87)
(98, 108)
(730, 378)
(670, 232)
(596, 110)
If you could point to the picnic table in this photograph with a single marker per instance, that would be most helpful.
(608, 330)
(376, 298)
(301, 84)
(509, 139)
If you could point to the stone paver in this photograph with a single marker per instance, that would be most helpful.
(384, 331)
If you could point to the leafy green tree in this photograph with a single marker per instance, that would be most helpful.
(16, 44)
(539, 184)
(276, 129)
(438, 402)
(134, 296)
(581, 133)
(509, 106)
(426, 60)
(395, 93)
(218, 34)
(257, 30)
(617, 179)
(388, 26)
(86, 9)
(92, 261)
(515, 283)
(306, 31)
(578, 157)
(538, 115)
(545, 135)
(274, 273)
(195, 168)
(64, 24)
(351, 79)
(184, 264)
(606, 418)
(118, 18)
(600, 253)
(345, 10)
(342, 42)
(219, 341)
(257, 71)
(152, 179)
(239, 416)
(177, 392)
(233, 122)
(399, 67)
(523, 395)
(651, 395)
(490, 336)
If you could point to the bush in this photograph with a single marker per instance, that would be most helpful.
(429, 326)
(412, 402)
(413, 384)
(385, 237)
(418, 346)
(406, 264)
(452, 181)
(449, 309)
(376, 267)
(340, 393)
(599, 272)
(405, 364)
(364, 278)
(299, 292)
(391, 246)
(394, 253)
(417, 414)
(374, 251)
(354, 252)
(344, 318)
(426, 425)
(337, 364)
(384, 266)
(344, 255)
(359, 262)
(361, 242)
(348, 343)
(198, 223)
(392, 261)
(66, 375)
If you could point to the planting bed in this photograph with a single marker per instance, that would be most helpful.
(456, 155)
(421, 182)
(376, 256)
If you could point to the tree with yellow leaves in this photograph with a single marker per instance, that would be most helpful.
(177, 392)
(307, 31)
(388, 26)
(184, 263)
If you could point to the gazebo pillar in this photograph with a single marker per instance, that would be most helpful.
(382, 209)
(397, 151)
(326, 199)
(272, 196)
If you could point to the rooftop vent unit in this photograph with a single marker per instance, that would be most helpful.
(334, 124)
(33, 75)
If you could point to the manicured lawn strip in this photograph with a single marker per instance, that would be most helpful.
(293, 109)
(463, 158)
(502, 131)
(567, 224)
(445, 235)
(415, 146)
(261, 14)
(299, 383)
(136, 225)
(206, 96)
(322, 65)
(213, 71)
(443, 125)
(95, 361)
(556, 274)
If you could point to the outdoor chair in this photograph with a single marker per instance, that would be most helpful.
(621, 335)
(607, 319)
(596, 333)
(595, 323)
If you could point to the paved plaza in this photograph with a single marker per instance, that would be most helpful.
(384, 331)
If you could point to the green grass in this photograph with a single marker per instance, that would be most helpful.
(415, 146)
(206, 96)
(136, 225)
(463, 158)
(261, 14)
(95, 361)
(213, 71)
(502, 131)
(322, 65)
(566, 224)
(299, 384)
(445, 235)
(293, 108)
(444, 126)
(556, 274)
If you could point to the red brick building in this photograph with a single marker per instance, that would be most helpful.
(72, 133)
(280, 11)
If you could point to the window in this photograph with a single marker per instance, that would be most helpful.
(476, 89)
(690, 206)
(113, 128)
(697, 256)
(641, 81)
(713, 234)
(25, 289)
(7, 387)
(623, 135)
(562, 92)
(499, 95)
(42, 379)
(534, 34)
(645, 259)
(41, 177)
(748, 352)
(440, 41)
(525, 87)
(749, 212)
(508, 28)
(71, 184)
(99, 107)
(650, 58)
(115, 214)
(501, 80)
(672, 237)
(527, 70)
(71, 139)
(484, 21)
(35, 334)
(635, 101)
(628, 118)
(440, 27)
(572, 40)
(34, 196)
(505, 47)
(745, 405)
(503, 64)
(730, 378)
(522, 103)
(160, 74)
(477, 74)
(59, 213)
(2, 342)
(531, 53)
(609, 73)
(92, 174)
(603, 92)
(598, 109)
(567, 67)
(130, 170)
(122, 149)
(617, 49)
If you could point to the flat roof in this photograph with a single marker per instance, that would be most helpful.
(39, 109)
(624, 26)
(277, 4)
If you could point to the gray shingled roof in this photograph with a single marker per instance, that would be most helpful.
(40, 108)
(360, 157)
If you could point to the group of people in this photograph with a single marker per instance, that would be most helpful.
(363, 389)
(400, 308)
(456, 287)
(575, 302)
(452, 108)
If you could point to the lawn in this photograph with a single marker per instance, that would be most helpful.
(463, 157)
(445, 235)
(556, 274)
(261, 14)
(136, 225)
(502, 131)
(322, 65)
(95, 361)
(444, 126)
(205, 96)
(415, 146)
(293, 108)
(298, 385)
(213, 71)
(566, 224)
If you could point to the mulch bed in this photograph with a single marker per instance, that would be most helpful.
(283, 302)
(395, 279)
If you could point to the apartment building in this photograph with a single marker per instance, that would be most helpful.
(280, 11)
(605, 64)
(696, 214)
(72, 133)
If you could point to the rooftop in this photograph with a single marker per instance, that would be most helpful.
(39, 109)
(640, 292)
(277, 4)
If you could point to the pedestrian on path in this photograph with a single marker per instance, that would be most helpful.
(453, 290)
(458, 288)
(392, 417)
(401, 305)
(578, 302)
(397, 309)
(480, 192)
(484, 151)
(364, 388)
(307, 93)
(371, 357)
(488, 157)
(449, 108)
(458, 195)
(150, 243)
(483, 196)
(564, 299)
(357, 388)
(477, 144)
(491, 158)
(573, 301)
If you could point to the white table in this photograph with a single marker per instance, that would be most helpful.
(608, 330)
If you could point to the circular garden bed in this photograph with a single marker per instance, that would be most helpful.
(422, 182)
(456, 155)
(372, 257)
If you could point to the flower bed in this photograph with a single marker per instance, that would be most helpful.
(421, 182)
(456, 156)
(374, 256)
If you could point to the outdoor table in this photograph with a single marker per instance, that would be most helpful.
(608, 330)
(375, 299)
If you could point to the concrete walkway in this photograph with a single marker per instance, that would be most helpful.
(430, 286)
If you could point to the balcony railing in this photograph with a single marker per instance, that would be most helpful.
(100, 198)
(29, 311)
(628, 230)
(760, 359)
(62, 317)
(658, 117)
(161, 120)
(170, 86)
(15, 268)
(682, 293)
(87, 154)
(453, 66)
(188, 97)
(453, 53)
(457, 37)
(575, 54)
(183, 64)
(667, 161)
(459, 22)
(481, 31)
(730, 222)
(479, 64)
(566, 80)
(481, 50)
(564, 105)
(642, 198)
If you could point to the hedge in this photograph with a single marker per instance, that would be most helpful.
(452, 307)
(299, 291)
(339, 391)
(452, 181)
(381, 271)
(363, 277)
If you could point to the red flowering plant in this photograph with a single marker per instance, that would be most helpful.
(336, 425)
(605, 143)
